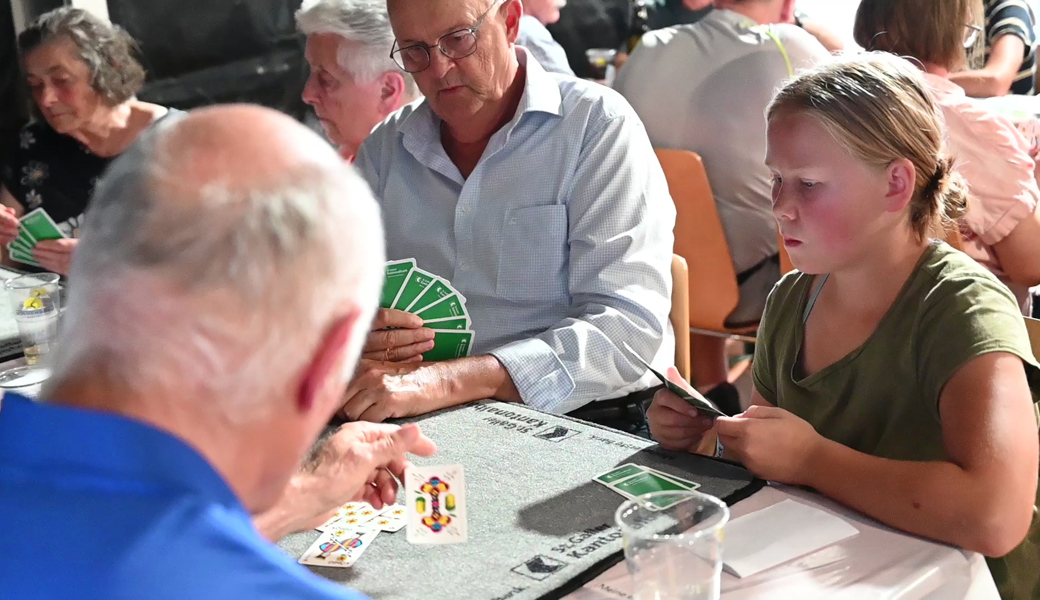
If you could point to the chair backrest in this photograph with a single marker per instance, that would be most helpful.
(699, 238)
(1033, 327)
(680, 315)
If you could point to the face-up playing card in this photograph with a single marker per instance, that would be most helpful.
(693, 398)
(448, 345)
(393, 519)
(418, 281)
(397, 272)
(338, 551)
(435, 499)
(41, 226)
(446, 308)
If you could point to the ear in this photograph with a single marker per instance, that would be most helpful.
(900, 177)
(514, 11)
(391, 92)
(787, 11)
(327, 366)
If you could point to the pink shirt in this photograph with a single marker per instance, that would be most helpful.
(994, 157)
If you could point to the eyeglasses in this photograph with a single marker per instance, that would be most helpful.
(454, 45)
(971, 35)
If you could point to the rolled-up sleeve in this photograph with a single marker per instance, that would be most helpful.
(620, 222)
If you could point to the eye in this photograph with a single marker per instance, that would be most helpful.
(809, 184)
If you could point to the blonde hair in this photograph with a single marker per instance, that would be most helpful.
(932, 31)
(877, 106)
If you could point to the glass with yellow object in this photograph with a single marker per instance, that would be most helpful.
(37, 308)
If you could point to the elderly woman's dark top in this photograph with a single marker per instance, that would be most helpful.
(55, 172)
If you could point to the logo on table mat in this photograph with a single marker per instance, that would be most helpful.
(556, 433)
(539, 568)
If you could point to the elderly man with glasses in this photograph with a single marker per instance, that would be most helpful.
(541, 200)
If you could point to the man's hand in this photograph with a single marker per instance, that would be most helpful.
(357, 463)
(405, 342)
(386, 390)
(771, 442)
(55, 255)
(673, 423)
(8, 225)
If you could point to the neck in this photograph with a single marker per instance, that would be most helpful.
(873, 283)
(762, 13)
(493, 115)
(211, 435)
(938, 70)
(102, 135)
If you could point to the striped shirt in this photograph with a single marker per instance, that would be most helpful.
(560, 239)
(1014, 17)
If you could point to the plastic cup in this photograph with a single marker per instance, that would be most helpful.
(673, 545)
(37, 308)
(601, 60)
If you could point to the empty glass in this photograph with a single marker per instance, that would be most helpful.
(673, 545)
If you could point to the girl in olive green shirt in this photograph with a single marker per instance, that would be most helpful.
(892, 373)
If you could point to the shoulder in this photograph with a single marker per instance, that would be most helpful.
(785, 301)
(226, 556)
(971, 123)
(796, 39)
(393, 124)
(951, 281)
(596, 103)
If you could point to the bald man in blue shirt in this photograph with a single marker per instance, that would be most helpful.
(191, 380)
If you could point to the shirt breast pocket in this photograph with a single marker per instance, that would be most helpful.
(533, 255)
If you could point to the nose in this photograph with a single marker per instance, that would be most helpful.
(47, 97)
(310, 91)
(783, 202)
(439, 63)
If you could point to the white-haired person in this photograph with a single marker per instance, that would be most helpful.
(537, 39)
(222, 296)
(353, 84)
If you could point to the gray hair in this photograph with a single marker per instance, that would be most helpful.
(108, 50)
(225, 296)
(367, 25)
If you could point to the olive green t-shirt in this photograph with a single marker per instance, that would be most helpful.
(883, 397)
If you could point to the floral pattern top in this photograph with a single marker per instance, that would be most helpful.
(55, 172)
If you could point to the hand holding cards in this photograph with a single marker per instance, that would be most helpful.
(691, 396)
(33, 228)
(440, 306)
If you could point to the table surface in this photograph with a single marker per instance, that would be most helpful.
(879, 562)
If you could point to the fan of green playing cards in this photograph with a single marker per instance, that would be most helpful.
(441, 307)
(33, 228)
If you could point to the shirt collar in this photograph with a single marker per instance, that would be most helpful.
(107, 445)
(541, 94)
(944, 85)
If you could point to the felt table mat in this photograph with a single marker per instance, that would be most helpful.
(538, 526)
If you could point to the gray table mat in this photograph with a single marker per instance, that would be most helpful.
(538, 526)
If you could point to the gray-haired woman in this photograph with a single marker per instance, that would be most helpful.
(83, 78)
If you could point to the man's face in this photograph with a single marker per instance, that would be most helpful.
(347, 108)
(458, 88)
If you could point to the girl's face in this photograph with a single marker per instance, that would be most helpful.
(829, 205)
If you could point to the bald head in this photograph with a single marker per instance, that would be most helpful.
(240, 147)
(214, 246)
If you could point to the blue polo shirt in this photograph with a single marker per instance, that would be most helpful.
(98, 506)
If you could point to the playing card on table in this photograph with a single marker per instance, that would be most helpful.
(397, 272)
(435, 500)
(391, 520)
(350, 516)
(632, 480)
(331, 550)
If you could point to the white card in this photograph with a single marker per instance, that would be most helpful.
(774, 535)
(351, 515)
(435, 499)
(338, 551)
(392, 520)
